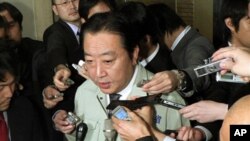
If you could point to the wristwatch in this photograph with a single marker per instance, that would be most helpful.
(182, 83)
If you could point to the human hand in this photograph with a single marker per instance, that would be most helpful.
(239, 63)
(146, 113)
(190, 134)
(61, 123)
(51, 96)
(133, 129)
(61, 75)
(83, 72)
(161, 82)
(205, 111)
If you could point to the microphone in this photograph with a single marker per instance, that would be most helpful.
(109, 131)
(81, 131)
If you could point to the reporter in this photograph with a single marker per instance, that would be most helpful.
(61, 124)
(239, 63)
(199, 111)
(133, 129)
(48, 94)
(139, 127)
(190, 134)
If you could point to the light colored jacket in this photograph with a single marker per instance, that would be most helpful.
(90, 105)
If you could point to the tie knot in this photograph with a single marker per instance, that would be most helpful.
(113, 97)
(78, 33)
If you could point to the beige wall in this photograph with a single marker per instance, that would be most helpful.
(37, 16)
(203, 17)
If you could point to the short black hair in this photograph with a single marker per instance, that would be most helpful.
(114, 23)
(13, 11)
(86, 5)
(8, 61)
(138, 15)
(236, 10)
(167, 19)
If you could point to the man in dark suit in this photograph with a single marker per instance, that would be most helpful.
(153, 55)
(189, 49)
(17, 110)
(62, 50)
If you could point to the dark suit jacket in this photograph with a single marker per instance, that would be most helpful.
(23, 121)
(161, 62)
(190, 52)
(62, 47)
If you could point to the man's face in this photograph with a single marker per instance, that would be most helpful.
(241, 37)
(14, 31)
(67, 10)
(7, 89)
(99, 8)
(107, 62)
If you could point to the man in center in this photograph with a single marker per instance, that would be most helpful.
(111, 50)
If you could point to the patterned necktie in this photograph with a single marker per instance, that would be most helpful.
(113, 97)
(3, 129)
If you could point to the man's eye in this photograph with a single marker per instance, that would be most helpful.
(88, 61)
(108, 61)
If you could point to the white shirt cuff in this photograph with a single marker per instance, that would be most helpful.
(208, 134)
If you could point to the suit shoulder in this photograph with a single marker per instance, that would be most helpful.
(21, 103)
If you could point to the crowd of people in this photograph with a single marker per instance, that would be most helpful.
(121, 46)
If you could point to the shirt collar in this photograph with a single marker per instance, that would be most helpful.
(144, 62)
(127, 90)
(74, 28)
(177, 40)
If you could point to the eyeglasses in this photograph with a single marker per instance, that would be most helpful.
(66, 2)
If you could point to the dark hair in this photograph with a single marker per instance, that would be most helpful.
(166, 18)
(137, 15)
(236, 10)
(3, 25)
(86, 5)
(8, 62)
(114, 23)
(13, 11)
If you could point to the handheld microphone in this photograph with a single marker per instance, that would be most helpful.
(81, 131)
(109, 131)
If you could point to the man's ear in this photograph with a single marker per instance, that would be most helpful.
(135, 55)
(55, 10)
(229, 24)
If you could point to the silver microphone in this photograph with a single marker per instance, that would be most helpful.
(109, 131)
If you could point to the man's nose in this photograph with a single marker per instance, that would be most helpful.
(100, 72)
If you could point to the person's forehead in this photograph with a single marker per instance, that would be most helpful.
(105, 40)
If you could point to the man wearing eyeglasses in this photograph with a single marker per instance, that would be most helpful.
(62, 50)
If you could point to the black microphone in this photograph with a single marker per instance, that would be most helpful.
(81, 131)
